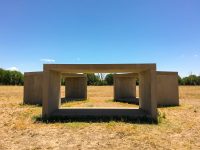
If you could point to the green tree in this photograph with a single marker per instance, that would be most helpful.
(1, 75)
(198, 80)
(109, 79)
(6, 77)
(92, 79)
(193, 79)
(190, 80)
(62, 81)
(180, 80)
(137, 81)
(11, 77)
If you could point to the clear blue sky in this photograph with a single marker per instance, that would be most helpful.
(166, 32)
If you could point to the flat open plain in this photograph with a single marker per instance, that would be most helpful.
(178, 129)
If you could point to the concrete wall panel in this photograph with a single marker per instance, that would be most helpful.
(167, 89)
(51, 92)
(76, 87)
(125, 88)
(147, 92)
(33, 88)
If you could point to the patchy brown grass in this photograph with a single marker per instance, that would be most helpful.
(98, 96)
(180, 129)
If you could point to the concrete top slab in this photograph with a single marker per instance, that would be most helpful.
(73, 75)
(99, 68)
(96, 112)
(132, 75)
(32, 73)
(166, 73)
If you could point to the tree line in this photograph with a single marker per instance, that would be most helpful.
(190, 80)
(95, 79)
(8, 77)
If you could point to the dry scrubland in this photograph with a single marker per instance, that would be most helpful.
(180, 129)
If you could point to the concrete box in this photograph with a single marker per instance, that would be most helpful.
(51, 87)
(125, 87)
(33, 87)
(76, 87)
(167, 89)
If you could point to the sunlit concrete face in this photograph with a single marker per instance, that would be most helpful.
(167, 89)
(99, 68)
(33, 85)
(75, 86)
(51, 88)
(125, 87)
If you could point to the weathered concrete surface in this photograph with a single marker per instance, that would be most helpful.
(52, 73)
(147, 92)
(51, 92)
(76, 86)
(100, 112)
(125, 87)
(33, 88)
(167, 89)
(99, 68)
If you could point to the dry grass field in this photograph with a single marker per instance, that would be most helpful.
(180, 129)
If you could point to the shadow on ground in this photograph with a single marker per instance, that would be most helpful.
(128, 100)
(91, 119)
(65, 100)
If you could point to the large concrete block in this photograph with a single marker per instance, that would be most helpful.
(76, 87)
(147, 92)
(51, 92)
(125, 87)
(167, 89)
(33, 84)
(51, 87)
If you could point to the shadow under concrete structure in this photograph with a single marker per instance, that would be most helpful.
(51, 90)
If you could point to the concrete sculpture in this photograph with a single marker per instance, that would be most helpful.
(155, 88)
(33, 86)
(75, 87)
(51, 90)
(167, 89)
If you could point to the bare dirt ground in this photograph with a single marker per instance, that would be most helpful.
(18, 130)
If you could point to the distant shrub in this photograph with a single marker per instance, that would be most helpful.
(190, 80)
(8, 77)
(109, 79)
(92, 79)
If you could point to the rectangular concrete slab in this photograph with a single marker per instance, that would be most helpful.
(125, 87)
(99, 68)
(33, 86)
(73, 75)
(167, 89)
(147, 92)
(100, 112)
(51, 92)
(76, 87)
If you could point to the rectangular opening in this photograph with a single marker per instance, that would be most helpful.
(99, 90)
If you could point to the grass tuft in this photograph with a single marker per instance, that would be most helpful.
(161, 116)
